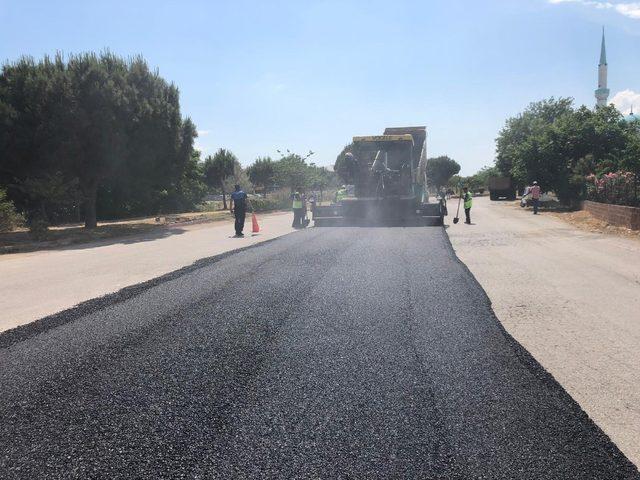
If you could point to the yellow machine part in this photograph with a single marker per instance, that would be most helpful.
(384, 138)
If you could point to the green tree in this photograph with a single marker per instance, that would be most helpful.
(477, 182)
(292, 170)
(262, 173)
(99, 115)
(631, 157)
(52, 194)
(320, 178)
(239, 177)
(455, 182)
(519, 144)
(555, 144)
(190, 189)
(485, 173)
(440, 170)
(217, 169)
(108, 124)
(184, 180)
(33, 119)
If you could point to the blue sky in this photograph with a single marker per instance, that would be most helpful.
(259, 76)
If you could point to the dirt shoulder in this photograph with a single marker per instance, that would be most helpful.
(586, 221)
(581, 219)
(74, 234)
(571, 297)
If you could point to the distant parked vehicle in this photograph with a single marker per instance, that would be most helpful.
(527, 201)
(501, 188)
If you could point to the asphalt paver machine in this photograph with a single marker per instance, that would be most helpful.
(390, 184)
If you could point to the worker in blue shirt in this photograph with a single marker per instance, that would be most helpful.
(239, 209)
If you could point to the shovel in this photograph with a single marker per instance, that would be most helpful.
(456, 219)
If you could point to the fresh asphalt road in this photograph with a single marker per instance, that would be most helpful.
(572, 299)
(328, 353)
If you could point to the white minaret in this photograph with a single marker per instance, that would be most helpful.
(602, 93)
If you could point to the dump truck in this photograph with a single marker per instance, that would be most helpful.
(501, 188)
(390, 183)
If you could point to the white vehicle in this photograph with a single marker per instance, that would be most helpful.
(526, 199)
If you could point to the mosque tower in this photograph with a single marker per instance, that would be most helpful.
(602, 93)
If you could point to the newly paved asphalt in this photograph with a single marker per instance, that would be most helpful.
(328, 353)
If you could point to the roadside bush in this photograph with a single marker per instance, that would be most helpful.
(619, 188)
(9, 217)
(213, 206)
(264, 204)
(276, 201)
(38, 228)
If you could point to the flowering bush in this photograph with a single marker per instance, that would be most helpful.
(619, 188)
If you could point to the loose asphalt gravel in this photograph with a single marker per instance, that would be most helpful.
(328, 353)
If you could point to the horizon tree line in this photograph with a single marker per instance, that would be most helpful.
(97, 136)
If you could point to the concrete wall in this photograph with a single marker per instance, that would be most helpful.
(617, 215)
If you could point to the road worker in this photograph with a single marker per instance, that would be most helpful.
(535, 196)
(238, 207)
(297, 205)
(312, 202)
(341, 193)
(468, 201)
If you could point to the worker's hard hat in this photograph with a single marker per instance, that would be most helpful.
(535, 183)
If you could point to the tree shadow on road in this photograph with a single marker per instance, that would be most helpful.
(77, 238)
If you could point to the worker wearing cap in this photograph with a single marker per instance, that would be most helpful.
(239, 208)
(468, 201)
(297, 205)
(535, 196)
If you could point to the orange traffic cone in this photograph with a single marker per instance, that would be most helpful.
(255, 228)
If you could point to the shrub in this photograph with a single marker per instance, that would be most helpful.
(213, 206)
(264, 204)
(618, 188)
(9, 217)
(38, 228)
(277, 200)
